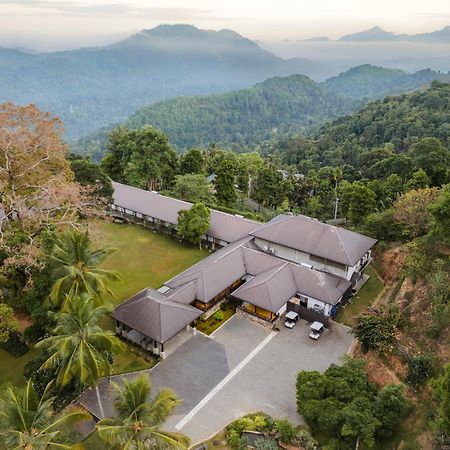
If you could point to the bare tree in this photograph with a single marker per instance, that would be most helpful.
(37, 187)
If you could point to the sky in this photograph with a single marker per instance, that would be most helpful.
(59, 24)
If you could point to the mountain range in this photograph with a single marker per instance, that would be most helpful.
(93, 87)
(377, 34)
(268, 111)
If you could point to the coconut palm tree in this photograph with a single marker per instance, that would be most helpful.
(80, 348)
(29, 422)
(139, 416)
(75, 268)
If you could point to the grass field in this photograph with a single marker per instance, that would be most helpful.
(12, 366)
(143, 258)
(362, 300)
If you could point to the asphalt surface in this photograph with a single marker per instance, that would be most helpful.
(243, 367)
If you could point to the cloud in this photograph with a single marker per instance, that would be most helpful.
(78, 8)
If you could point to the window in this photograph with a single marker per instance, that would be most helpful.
(316, 261)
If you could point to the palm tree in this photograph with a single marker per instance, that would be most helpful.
(29, 422)
(139, 417)
(75, 268)
(80, 348)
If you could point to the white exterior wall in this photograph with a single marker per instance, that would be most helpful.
(312, 302)
(283, 252)
(282, 310)
(357, 266)
(300, 257)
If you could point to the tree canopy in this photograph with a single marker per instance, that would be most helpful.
(193, 223)
(141, 158)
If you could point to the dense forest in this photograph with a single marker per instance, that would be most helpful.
(399, 121)
(374, 82)
(269, 111)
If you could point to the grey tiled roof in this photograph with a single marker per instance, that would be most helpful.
(218, 271)
(223, 226)
(272, 288)
(215, 273)
(316, 238)
(150, 313)
(269, 290)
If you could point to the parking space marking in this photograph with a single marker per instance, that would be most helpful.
(219, 386)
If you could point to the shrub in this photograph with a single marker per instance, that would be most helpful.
(234, 438)
(245, 423)
(33, 333)
(265, 444)
(305, 439)
(285, 430)
(420, 369)
(260, 423)
(15, 345)
(219, 315)
(376, 330)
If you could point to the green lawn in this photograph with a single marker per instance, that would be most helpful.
(362, 300)
(143, 258)
(12, 367)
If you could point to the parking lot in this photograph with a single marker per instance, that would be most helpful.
(243, 367)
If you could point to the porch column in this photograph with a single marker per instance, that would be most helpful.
(161, 351)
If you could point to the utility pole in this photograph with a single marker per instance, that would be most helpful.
(336, 204)
(336, 201)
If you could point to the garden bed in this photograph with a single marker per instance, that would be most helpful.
(207, 326)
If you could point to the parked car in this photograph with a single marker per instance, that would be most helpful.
(291, 319)
(316, 329)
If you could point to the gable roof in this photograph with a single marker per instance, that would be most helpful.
(316, 238)
(150, 313)
(223, 226)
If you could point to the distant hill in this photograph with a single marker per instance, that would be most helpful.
(377, 34)
(236, 119)
(372, 82)
(93, 87)
(268, 111)
(399, 120)
(373, 34)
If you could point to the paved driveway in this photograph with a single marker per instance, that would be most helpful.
(243, 367)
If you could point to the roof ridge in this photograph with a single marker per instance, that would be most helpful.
(286, 264)
(185, 202)
(342, 244)
(275, 270)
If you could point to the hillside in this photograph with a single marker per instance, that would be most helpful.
(240, 118)
(400, 121)
(268, 111)
(93, 87)
(367, 81)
